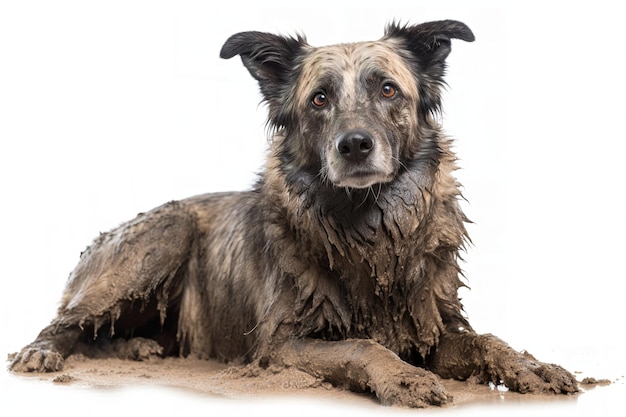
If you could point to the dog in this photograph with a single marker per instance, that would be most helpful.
(342, 261)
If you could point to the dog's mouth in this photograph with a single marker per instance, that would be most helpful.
(362, 178)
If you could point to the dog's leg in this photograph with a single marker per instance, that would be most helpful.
(47, 352)
(489, 359)
(363, 365)
(125, 272)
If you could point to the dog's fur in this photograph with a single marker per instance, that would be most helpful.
(343, 259)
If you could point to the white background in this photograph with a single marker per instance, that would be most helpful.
(111, 108)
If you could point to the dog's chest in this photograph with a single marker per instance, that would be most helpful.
(360, 290)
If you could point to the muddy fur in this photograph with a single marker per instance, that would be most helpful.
(341, 261)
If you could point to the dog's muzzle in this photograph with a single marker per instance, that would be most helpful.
(359, 160)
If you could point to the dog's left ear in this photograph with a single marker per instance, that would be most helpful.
(430, 41)
(268, 57)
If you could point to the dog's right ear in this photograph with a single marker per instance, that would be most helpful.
(268, 57)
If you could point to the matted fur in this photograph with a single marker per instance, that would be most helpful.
(343, 259)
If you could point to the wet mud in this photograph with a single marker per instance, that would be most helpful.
(212, 378)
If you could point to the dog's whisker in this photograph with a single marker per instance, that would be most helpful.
(377, 195)
(348, 193)
(367, 192)
(402, 164)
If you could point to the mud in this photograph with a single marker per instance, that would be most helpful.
(212, 378)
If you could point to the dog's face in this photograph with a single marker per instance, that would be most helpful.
(356, 103)
(351, 114)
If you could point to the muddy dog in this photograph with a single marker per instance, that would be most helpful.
(342, 261)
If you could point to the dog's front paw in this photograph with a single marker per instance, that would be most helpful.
(409, 388)
(37, 358)
(530, 376)
(497, 362)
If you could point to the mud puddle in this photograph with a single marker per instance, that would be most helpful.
(188, 384)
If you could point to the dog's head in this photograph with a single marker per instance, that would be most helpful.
(353, 114)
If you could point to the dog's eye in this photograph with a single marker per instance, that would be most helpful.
(319, 100)
(388, 90)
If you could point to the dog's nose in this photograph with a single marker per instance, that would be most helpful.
(355, 145)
